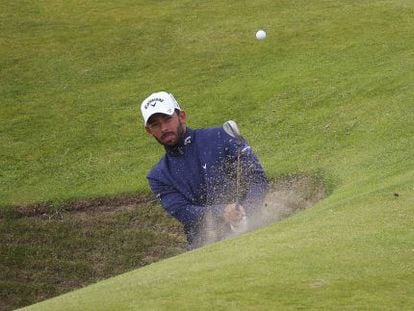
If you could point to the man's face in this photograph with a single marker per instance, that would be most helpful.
(167, 130)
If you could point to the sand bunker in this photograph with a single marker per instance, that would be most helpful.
(286, 196)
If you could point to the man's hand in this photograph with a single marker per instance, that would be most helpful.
(234, 214)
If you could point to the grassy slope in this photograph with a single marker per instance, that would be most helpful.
(329, 91)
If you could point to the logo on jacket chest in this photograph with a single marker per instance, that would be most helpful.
(187, 140)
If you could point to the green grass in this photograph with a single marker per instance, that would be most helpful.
(329, 92)
(73, 76)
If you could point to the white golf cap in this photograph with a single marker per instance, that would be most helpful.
(159, 102)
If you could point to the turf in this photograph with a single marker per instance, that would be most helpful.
(329, 92)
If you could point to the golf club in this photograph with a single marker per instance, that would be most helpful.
(231, 128)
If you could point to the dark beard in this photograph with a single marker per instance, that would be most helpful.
(180, 134)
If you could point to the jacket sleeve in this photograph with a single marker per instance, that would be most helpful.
(176, 204)
(253, 179)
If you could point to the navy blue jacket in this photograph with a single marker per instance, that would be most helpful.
(200, 173)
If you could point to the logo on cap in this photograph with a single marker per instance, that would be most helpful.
(153, 102)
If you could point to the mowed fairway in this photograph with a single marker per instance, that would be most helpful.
(330, 92)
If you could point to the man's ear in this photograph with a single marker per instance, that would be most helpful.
(183, 117)
(148, 131)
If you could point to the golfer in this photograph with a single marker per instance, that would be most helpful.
(197, 175)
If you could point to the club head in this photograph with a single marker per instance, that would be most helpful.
(231, 128)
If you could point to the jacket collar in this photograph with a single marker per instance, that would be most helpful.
(182, 145)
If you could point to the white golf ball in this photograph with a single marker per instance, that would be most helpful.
(261, 34)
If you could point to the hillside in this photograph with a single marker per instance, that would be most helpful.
(329, 93)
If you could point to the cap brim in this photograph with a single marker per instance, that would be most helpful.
(165, 111)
